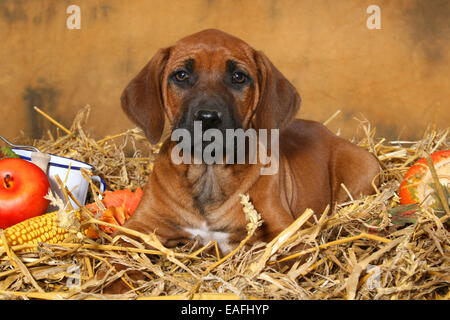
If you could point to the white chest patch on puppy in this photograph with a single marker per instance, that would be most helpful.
(206, 236)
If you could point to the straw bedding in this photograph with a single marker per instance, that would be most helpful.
(360, 252)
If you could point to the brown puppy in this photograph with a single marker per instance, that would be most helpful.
(221, 81)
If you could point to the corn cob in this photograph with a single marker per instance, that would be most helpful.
(52, 227)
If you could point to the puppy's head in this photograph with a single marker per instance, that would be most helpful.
(210, 77)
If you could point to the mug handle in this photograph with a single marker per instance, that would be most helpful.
(102, 184)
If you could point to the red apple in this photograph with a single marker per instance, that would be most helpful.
(23, 186)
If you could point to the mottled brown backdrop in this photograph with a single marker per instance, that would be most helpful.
(396, 77)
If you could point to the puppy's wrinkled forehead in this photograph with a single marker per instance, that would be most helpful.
(208, 48)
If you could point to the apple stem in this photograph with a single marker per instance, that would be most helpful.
(7, 179)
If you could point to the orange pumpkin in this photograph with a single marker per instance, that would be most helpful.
(418, 184)
(120, 205)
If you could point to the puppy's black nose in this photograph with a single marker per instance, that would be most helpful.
(209, 118)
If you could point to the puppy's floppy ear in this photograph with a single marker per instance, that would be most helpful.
(279, 101)
(142, 99)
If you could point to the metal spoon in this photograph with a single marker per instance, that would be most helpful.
(18, 146)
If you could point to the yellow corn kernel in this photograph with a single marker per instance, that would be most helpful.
(42, 228)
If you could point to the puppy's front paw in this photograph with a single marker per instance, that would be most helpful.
(119, 286)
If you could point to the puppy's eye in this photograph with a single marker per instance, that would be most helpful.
(238, 77)
(181, 76)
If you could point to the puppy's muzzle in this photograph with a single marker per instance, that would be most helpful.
(209, 118)
(212, 111)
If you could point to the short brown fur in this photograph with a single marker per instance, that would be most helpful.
(313, 161)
